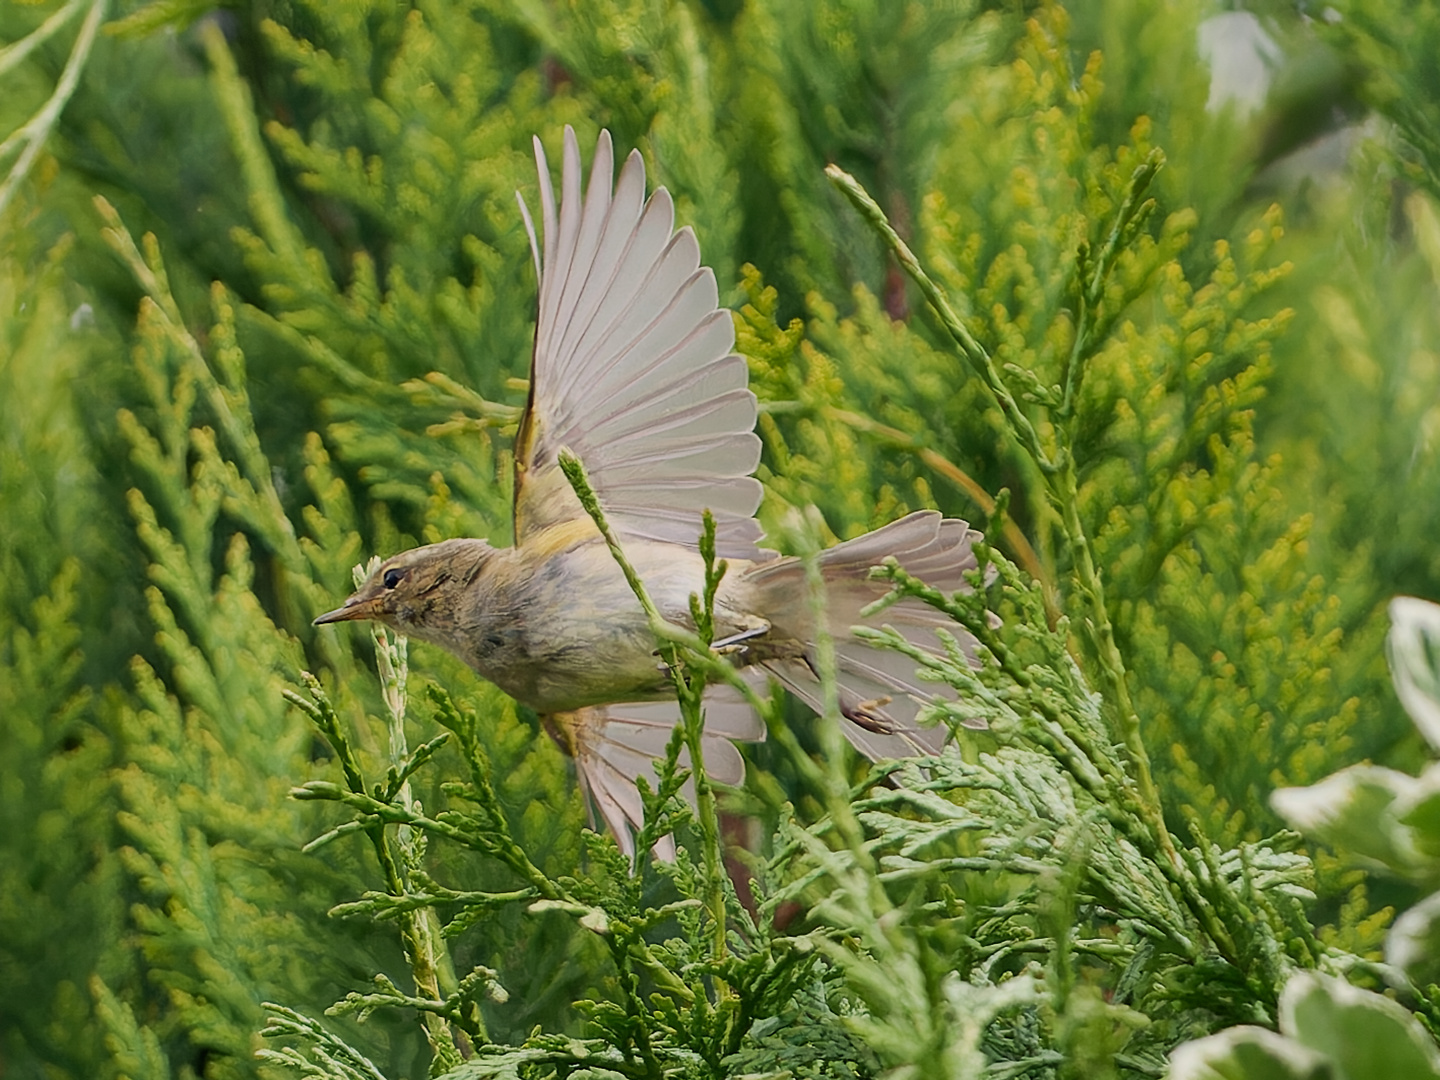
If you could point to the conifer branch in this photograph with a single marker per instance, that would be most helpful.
(1058, 468)
(430, 961)
(976, 354)
(1093, 273)
(35, 132)
(689, 688)
(416, 926)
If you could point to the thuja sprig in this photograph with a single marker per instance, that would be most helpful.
(607, 902)
(460, 1007)
(333, 1057)
(689, 686)
(485, 828)
(1057, 464)
(1092, 273)
(232, 453)
(690, 692)
(427, 893)
(1246, 901)
(1040, 698)
(415, 929)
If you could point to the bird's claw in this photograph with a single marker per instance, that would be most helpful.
(870, 715)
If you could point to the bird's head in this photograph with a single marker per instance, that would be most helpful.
(418, 592)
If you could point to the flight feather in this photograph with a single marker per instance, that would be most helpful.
(632, 370)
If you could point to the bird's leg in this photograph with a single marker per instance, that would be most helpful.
(732, 644)
(870, 715)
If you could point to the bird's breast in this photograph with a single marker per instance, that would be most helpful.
(567, 631)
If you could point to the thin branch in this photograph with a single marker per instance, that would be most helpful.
(1058, 468)
(972, 350)
(16, 51)
(707, 814)
(35, 132)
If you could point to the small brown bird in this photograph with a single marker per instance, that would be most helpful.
(632, 371)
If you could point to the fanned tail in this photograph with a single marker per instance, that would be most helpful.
(880, 694)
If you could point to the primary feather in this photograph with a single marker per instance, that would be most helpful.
(632, 368)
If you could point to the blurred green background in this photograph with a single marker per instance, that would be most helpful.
(265, 293)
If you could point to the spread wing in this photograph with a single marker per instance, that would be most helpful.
(613, 744)
(632, 369)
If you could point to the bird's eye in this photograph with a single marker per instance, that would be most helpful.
(393, 577)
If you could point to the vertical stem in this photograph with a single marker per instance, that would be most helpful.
(1065, 491)
(973, 352)
(707, 817)
(1058, 467)
(412, 936)
(835, 787)
(863, 880)
(418, 951)
(690, 690)
(429, 959)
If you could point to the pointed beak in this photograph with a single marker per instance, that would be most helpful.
(357, 607)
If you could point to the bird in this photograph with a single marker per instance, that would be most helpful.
(633, 372)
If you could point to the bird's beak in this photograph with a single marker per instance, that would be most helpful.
(357, 607)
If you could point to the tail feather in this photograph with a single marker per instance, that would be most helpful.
(934, 549)
(937, 550)
(880, 694)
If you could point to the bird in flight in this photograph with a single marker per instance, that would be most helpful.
(633, 372)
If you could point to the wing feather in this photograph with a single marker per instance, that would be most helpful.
(686, 380)
(566, 242)
(716, 416)
(619, 230)
(604, 354)
(614, 744)
(644, 253)
(633, 369)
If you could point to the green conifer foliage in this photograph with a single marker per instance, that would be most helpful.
(62, 911)
(1176, 495)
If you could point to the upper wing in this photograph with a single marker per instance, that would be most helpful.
(632, 369)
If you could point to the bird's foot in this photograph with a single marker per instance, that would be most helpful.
(735, 643)
(870, 715)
